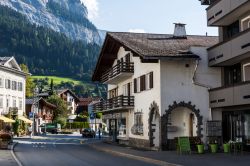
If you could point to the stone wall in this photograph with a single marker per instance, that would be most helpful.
(139, 143)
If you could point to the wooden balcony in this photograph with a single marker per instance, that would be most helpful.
(118, 73)
(225, 12)
(239, 94)
(231, 51)
(116, 103)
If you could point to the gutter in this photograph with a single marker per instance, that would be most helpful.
(194, 80)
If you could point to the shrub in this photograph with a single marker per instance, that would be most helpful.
(77, 125)
(5, 137)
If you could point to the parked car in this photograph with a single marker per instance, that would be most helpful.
(89, 133)
(53, 128)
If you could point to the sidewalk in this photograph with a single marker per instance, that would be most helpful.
(172, 158)
(6, 158)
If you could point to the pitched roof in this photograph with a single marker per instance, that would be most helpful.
(31, 101)
(148, 46)
(87, 101)
(3, 60)
(59, 92)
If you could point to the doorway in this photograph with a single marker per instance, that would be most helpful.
(113, 129)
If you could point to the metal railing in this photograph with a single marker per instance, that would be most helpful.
(114, 103)
(117, 69)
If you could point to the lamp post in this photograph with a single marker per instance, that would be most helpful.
(35, 109)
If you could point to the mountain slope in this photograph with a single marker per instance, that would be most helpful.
(65, 16)
(45, 51)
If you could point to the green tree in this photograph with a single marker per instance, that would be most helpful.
(29, 83)
(61, 110)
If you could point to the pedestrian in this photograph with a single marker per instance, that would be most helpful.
(99, 133)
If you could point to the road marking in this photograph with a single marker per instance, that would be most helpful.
(140, 158)
(14, 156)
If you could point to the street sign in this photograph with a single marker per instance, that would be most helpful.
(31, 114)
(92, 115)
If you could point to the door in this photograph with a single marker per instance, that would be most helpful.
(113, 129)
(233, 126)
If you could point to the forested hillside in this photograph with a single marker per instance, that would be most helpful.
(45, 51)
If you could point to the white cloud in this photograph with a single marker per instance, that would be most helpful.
(137, 30)
(92, 6)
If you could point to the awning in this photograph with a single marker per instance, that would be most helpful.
(25, 119)
(6, 120)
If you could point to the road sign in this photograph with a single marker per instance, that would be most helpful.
(92, 115)
(31, 114)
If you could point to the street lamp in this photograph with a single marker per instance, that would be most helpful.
(36, 103)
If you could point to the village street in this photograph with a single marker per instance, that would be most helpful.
(73, 150)
(66, 151)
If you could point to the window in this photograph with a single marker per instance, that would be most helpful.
(14, 85)
(1, 101)
(7, 103)
(14, 102)
(20, 106)
(246, 72)
(113, 93)
(245, 23)
(1, 83)
(127, 89)
(20, 86)
(232, 74)
(144, 82)
(137, 128)
(7, 84)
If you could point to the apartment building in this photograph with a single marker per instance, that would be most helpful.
(157, 86)
(12, 86)
(230, 102)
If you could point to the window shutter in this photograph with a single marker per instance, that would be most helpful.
(142, 83)
(135, 85)
(151, 82)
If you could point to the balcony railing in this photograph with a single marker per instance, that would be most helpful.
(118, 69)
(237, 94)
(119, 102)
(230, 51)
(223, 12)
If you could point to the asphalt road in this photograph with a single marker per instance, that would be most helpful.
(68, 153)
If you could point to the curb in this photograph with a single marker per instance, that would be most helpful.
(140, 158)
(13, 154)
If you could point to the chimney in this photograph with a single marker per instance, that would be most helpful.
(180, 31)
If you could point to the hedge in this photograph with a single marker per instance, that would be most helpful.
(77, 125)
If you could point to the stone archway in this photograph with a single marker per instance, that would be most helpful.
(154, 125)
(165, 117)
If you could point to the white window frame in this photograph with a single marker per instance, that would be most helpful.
(244, 72)
(1, 82)
(14, 103)
(8, 85)
(20, 104)
(242, 21)
(147, 81)
(1, 101)
(138, 86)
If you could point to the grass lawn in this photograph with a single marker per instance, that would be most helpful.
(58, 80)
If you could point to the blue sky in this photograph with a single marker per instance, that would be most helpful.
(151, 16)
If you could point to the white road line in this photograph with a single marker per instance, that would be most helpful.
(14, 156)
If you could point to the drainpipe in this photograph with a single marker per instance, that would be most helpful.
(194, 80)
